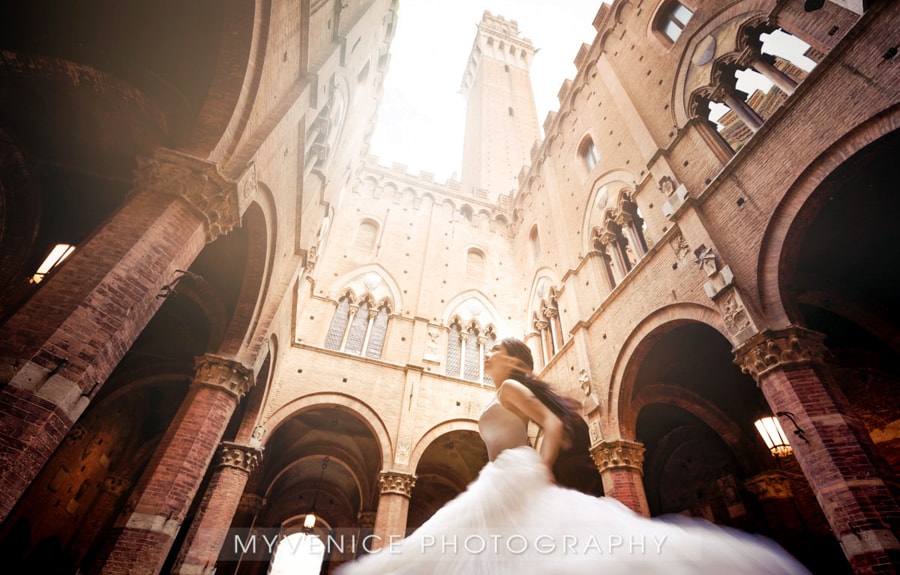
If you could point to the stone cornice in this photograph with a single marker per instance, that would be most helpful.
(198, 182)
(770, 350)
(396, 482)
(227, 374)
(618, 454)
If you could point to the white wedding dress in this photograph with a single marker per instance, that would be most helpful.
(514, 520)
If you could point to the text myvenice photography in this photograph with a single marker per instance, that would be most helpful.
(262, 544)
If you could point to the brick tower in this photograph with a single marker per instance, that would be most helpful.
(501, 122)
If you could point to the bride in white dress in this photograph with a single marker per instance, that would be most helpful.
(514, 519)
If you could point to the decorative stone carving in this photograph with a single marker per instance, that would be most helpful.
(770, 350)
(239, 456)
(431, 345)
(230, 375)
(76, 434)
(247, 183)
(115, 485)
(770, 485)
(618, 454)
(680, 246)
(667, 186)
(396, 482)
(589, 402)
(733, 313)
(706, 259)
(212, 196)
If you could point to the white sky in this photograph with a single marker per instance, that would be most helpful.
(422, 114)
(421, 117)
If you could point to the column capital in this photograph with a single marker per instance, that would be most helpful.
(239, 456)
(624, 219)
(367, 519)
(227, 374)
(770, 350)
(115, 485)
(617, 454)
(396, 482)
(770, 485)
(209, 193)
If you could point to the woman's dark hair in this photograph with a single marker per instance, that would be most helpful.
(574, 464)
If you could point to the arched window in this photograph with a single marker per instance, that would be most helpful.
(465, 351)
(378, 331)
(453, 349)
(672, 19)
(335, 337)
(587, 151)
(358, 329)
(475, 265)
(365, 235)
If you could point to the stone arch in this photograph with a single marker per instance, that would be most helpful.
(635, 349)
(781, 241)
(224, 114)
(355, 281)
(438, 430)
(343, 402)
(257, 269)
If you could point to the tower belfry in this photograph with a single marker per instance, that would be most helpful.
(501, 121)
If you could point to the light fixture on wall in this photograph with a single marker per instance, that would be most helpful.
(310, 520)
(769, 428)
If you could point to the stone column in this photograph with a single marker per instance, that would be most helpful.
(147, 527)
(621, 464)
(627, 223)
(59, 348)
(830, 443)
(747, 114)
(209, 529)
(354, 309)
(764, 66)
(393, 505)
(611, 249)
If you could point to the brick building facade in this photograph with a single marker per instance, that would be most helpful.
(255, 321)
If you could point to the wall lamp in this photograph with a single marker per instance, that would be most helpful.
(769, 428)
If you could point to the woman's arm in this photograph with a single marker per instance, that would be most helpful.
(518, 398)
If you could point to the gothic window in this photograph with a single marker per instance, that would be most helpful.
(358, 329)
(466, 213)
(365, 235)
(548, 325)
(475, 265)
(376, 337)
(672, 19)
(335, 337)
(587, 151)
(465, 351)
(453, 349)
